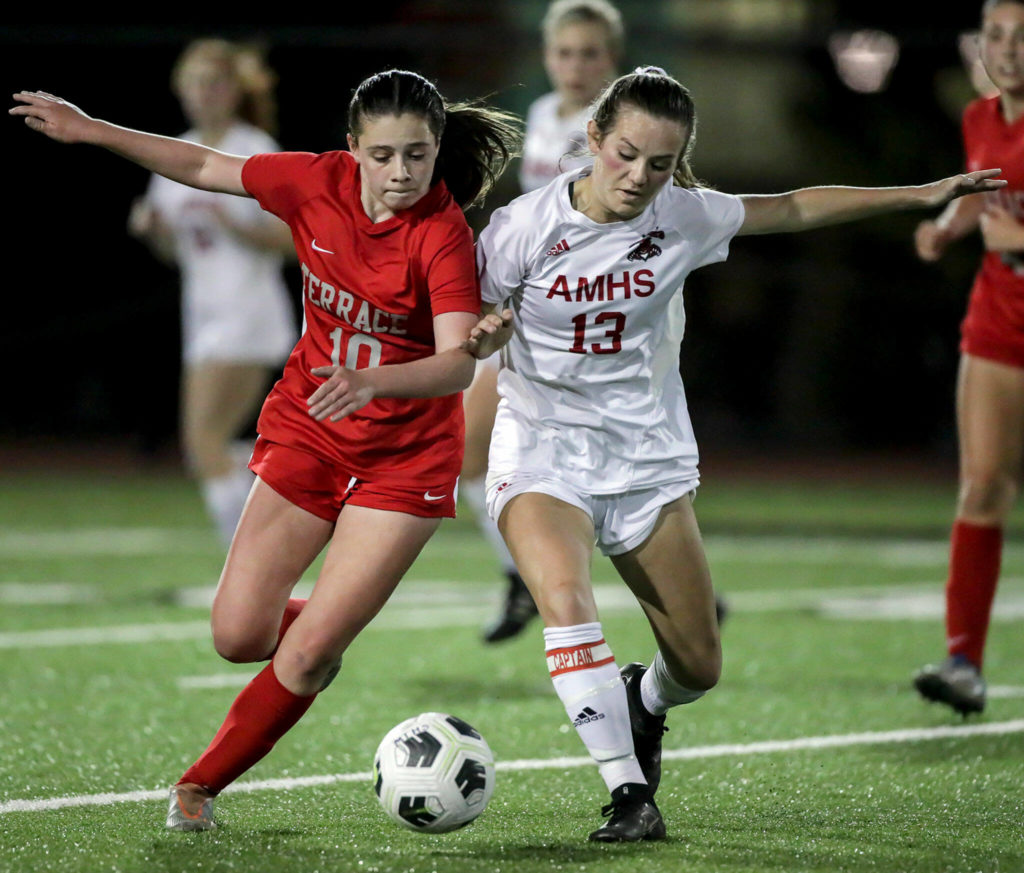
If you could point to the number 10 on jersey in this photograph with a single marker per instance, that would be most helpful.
(361, 350)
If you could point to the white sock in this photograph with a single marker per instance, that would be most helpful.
(225, 498)
(660, 692)
(588, 683)
(475, 492)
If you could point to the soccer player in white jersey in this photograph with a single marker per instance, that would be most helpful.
(582, 47)
(593, 441)
(237, 322)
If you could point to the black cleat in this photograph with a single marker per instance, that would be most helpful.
(721, 609)
(955, 682)
(647, 728)
(632, 816)
(519, 608)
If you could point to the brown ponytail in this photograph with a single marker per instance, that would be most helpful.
(477, 141)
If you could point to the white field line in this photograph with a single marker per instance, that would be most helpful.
(47, 593)
(114, 540)
(910, 735)
(438, 604)
(1005, 691)
(123, 541)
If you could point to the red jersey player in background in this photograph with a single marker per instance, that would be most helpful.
(990, 387)
(360, 441)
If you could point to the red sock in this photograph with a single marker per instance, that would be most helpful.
(291, 612)
(975, 555)
(263, 713)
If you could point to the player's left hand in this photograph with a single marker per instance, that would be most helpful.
(1000, 230)
(343, 392)
(489, 334)
(976, 182)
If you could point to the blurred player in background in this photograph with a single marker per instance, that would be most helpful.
(238, 324)
(583, 46)
(592, 440)
(990, 385)
(583, 43)
(361, 439)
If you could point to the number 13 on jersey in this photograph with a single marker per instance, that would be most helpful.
(614, 323)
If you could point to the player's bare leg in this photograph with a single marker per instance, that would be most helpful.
(553, 545)
(354, 584)
(218, 399)
(669, 575)
(990, 424)
(252, 597)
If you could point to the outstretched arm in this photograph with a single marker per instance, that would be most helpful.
(808, 208)
(185, 162)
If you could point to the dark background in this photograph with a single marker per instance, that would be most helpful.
(835, 339)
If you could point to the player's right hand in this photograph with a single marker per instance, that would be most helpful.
(52, 116)
(489, 334)
(930, 240)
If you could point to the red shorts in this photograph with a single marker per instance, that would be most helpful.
(993, 326)
(324, 488)
(1002, 348)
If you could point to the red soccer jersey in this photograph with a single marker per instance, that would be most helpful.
(369, 294)
(994, 324)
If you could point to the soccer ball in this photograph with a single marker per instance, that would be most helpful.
(433, 773)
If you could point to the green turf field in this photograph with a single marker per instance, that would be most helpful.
(813, 754)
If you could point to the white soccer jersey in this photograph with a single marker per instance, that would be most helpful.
(590, 386)
(550, 141)
(234, 303)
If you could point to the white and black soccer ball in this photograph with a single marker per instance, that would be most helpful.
(433, 773)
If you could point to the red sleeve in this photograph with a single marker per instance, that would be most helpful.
(450, 267)
(281, 181)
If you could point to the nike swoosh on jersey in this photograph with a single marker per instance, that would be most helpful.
(325, 251)
(428, 496)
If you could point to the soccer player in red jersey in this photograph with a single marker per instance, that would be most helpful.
(990, 387)
(360, 441)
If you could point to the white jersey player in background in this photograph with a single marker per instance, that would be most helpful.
(593, 441)
(582, 42)
(237, 322)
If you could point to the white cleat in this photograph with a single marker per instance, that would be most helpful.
(189, 811)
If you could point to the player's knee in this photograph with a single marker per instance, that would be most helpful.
(241, 648)
(698, 668)
(312, 666)
(987, 494)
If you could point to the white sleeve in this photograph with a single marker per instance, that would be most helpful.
(722, 217)
(498, 260)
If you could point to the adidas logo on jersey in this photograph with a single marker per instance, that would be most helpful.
(562, 246)
(588, 715)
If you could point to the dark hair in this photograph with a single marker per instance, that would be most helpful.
(480, 141)
(652, 90)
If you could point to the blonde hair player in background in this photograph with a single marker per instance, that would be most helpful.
(583, 44)
(237, 323)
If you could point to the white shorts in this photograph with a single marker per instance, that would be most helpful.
(621, 521)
